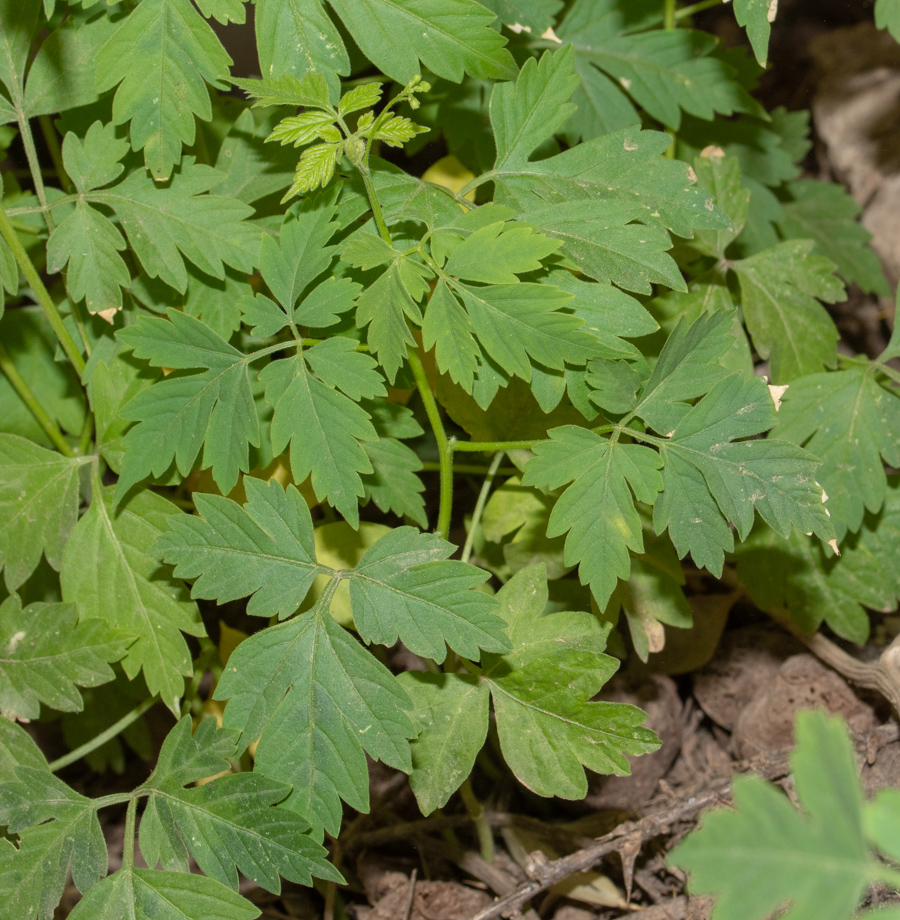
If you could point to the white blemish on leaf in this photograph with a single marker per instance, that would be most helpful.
(777, 393)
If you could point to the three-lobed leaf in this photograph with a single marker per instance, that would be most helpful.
(549, 728)
(47, 654)
(850, 421)
(58, 832)
(108, 573)
(161, 56)
(767, 854)
(229, 824)
(317, 701)
(38, 506)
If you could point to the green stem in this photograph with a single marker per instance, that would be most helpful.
(445, 452)
(692, 10)
(128, 847)
(205, 662)
(26, 394)
(18, 212)
(84, 440)
(479, 505)
(34, 165)
(480, 820)
(103, 737)
(491, 447)
(430, 467)
(117, 798)
(377, 213)
(669, 14)
(41, 293)
(476, 182)
(51, 138)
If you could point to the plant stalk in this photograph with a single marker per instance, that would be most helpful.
(128, 846)
(27, 395)
(41, 293)
(34, 165)
(480, 820)
(377, 213)
(101, 739)
(473, 468)
(490, 447)
(669, 14)
(445, 452)
(686, 11)
(479, 506)
(51, 138)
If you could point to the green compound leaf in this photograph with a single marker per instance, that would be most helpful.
(448, 329)
(302, 252)
(160, 56)
(451, 720)
(887, 16)
(624, 166)
(318, 700)
(364, 96)
(825, 212)
(518, 322)
(597, 510)
(17, 24)
(146, 893)
(687, 368)
(385, 306)
(61, 76)
(396, 131)
(767, 854)
(86, 240)
(530, 111)
(264, 549)
(789, 326)
(549, 729)
(89, 244)
(496, 253)
(38, 506)
(712, 477)
(721, 175)
(664, 71)
(108, 572)
(310, 91)
(757, 17)
(46, 655)
(182, 411)
(18, 749)
(58, 831)
(225, 11)
(851, 422)
(325, 430)
(405, 587)
(449, 38)
(298, 43)
(393, 483)
(315, 169)
(606, 244)
(813, 585)
(252, 168)
(533, 15)
(167, 224)
(228, 825)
